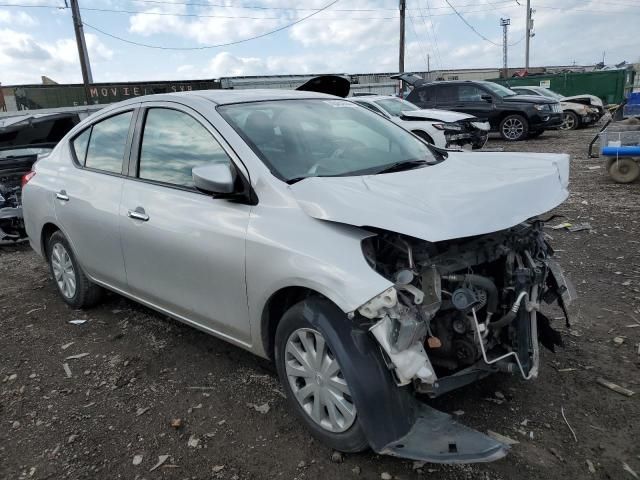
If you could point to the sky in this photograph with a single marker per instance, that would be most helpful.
(350, 36)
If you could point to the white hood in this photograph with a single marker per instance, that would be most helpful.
(438, 115)
(596, 101)
(467, 194)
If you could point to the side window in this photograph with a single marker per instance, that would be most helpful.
(422, 95)
(469, 93)
(107, 143)
(447, 93)
(80, 144)
(172, 144)
(373, 108)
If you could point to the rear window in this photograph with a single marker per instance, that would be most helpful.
(107, 143)
(422, 95)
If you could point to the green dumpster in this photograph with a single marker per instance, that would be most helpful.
(611, 86)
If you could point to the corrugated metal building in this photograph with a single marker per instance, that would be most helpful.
(51, 95)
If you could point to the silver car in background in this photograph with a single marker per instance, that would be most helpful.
(369, 266)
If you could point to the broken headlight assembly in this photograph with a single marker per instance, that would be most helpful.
(462, 309)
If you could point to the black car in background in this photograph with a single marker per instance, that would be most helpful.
(515, 117)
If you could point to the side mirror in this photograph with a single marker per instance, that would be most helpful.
(214, 177)
(487, 98)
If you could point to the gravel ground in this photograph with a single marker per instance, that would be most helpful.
(143, 387)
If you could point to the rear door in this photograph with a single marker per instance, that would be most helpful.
(423, 96)
(183, 249)
(88, 195)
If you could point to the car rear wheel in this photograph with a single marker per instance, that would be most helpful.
(623, 170)
(313, 381)
(514, 128)
(72, 283)
(570, 121)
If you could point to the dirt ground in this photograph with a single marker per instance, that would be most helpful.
(137, 371)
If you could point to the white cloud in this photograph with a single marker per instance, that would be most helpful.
(24, 59)
(20, 19)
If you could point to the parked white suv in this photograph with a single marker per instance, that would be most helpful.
(367, 265)
(442, 128)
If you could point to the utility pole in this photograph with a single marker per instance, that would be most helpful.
(85, 66)
(429, 66)
(505, 22)
(528, 35)
(403, 6)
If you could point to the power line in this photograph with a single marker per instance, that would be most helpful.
(471, 26)
(432, 35)
(261, 7)
(143, 12)
(201, 15)
(204, 47)
(422, 49)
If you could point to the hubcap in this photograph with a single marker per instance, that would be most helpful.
(513, 129)
(317, 382)
(63, 270)
(569, 122)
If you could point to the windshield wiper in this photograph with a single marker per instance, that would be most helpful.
(404, 165)
(293, 180)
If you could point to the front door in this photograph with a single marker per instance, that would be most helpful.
(184, 251)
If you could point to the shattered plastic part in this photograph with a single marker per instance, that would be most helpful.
(435, 437)
(409, 363)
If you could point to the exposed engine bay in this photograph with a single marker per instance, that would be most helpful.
(23, 138)
(462, 309)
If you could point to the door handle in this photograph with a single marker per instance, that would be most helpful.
(62, 195)
(138, 214)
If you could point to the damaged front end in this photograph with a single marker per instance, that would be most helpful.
(460, 310)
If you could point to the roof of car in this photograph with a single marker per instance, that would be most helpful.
(371, 97)
(223, 96)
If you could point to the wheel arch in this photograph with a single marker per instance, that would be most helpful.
(275, 307)
(48, 229)
(506, 113)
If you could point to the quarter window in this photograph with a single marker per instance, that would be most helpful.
(80, 144)
(107, 143)
(173, 143)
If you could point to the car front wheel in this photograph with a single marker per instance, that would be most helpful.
(570, 121)
(313, 381)
(514, 128)
(73, 285)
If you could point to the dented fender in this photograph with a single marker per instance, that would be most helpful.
(394, 421)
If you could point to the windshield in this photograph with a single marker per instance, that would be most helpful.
(550, 93)
(297, 139)
(499, 89)
(22, 151)
(395, 106)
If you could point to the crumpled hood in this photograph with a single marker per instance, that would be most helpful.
(468, 194)
(592, 99)
(438, 115)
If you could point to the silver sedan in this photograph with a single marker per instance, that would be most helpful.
(369, 266)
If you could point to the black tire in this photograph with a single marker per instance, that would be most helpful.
(535, 133)
(514, 128)
(351, 440)
(623, 170)
(86, 294)
(570, 121)
(424, 136)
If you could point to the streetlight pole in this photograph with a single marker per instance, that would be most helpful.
(403, 6)
(505, 22)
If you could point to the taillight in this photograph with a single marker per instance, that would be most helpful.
(26, 177)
